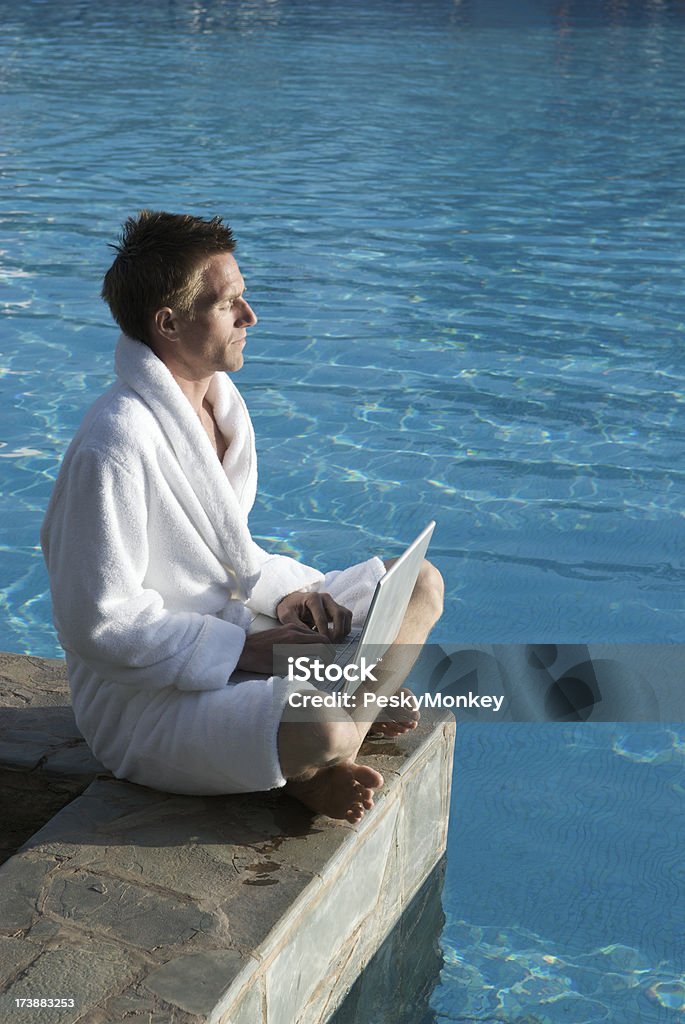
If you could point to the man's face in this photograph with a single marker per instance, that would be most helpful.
(215, 337)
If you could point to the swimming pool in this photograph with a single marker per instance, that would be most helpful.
(460, 224)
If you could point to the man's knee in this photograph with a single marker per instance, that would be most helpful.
(310, 743)
(430, 589)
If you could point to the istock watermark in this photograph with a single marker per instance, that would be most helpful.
(498, 682)
(383, 702)
(306, 670)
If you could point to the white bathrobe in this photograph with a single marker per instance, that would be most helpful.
(155, 580)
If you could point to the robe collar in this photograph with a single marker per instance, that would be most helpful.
(225, 490)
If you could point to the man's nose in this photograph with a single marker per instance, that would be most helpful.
(248, 317)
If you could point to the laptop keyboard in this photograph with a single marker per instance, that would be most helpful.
(345, 653)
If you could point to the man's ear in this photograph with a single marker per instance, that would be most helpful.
(164, 323)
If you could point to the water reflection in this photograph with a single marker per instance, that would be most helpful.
(515, 976)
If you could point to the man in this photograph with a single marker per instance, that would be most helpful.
(155, 578)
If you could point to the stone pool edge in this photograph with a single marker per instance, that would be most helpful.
(224, 940)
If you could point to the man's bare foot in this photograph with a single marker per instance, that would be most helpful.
(343, 791)
(396, 721)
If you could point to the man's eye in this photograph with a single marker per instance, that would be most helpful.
(230, 303)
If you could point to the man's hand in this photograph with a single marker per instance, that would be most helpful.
(315, 611)
(258, 655)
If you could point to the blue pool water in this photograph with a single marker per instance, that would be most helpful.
(461, 226)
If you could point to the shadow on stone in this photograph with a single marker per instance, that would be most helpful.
(44, 762)
(28, 801)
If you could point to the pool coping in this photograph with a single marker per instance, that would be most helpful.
(143, 905)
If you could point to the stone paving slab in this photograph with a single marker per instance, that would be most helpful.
(69, 972)
(44, 760)
(15, 955)
(145, 906)
(196, 981)
(22, 676)
(37, 727)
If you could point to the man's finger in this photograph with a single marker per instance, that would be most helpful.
(340, 616)
(315, 603)
(293, 618)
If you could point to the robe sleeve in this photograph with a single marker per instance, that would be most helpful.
(96, 549)
(280, 575)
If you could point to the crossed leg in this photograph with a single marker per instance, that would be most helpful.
(317, 750)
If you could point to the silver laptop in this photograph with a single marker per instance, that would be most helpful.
(386, 612)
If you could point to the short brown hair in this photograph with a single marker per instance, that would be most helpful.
(159, 262)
